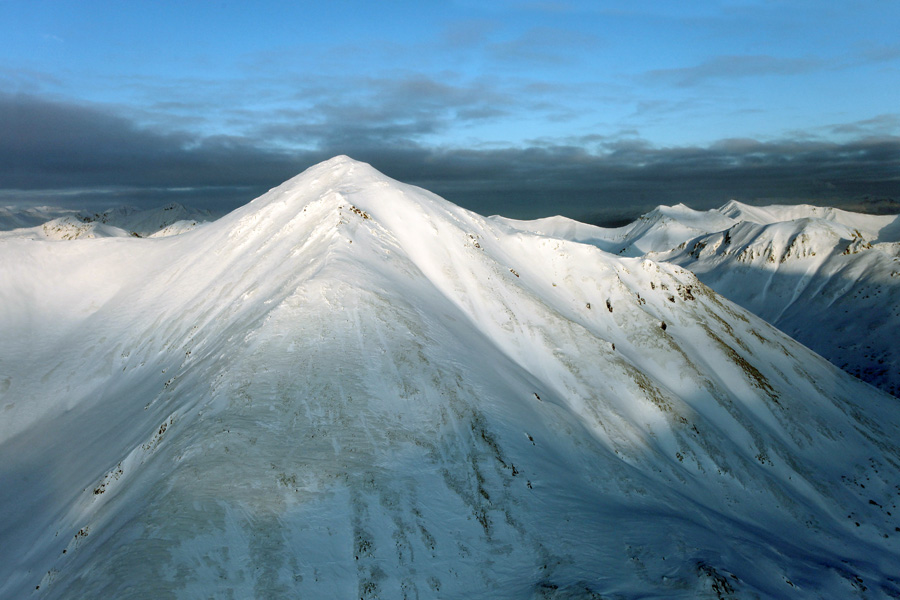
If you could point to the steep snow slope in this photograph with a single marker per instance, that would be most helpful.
(352, 387)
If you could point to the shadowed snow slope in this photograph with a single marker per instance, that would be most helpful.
(353, 388)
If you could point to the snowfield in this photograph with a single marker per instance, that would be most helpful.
(351, 387)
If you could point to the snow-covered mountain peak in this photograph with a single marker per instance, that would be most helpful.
(331, 191)
(340, 175)
(351, 387)
(732, 208)
(701, 220)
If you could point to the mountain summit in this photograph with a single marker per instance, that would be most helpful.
(351, 387)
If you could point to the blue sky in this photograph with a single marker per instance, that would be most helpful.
(527, 108)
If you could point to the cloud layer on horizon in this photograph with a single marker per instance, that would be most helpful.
(82, 156)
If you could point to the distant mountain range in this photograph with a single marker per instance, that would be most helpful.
(351, 387)
(827, 277)
(61, 224)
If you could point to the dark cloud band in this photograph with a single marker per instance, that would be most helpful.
(66, 153)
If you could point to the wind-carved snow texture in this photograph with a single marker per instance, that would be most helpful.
(827, 277)
(353, 388)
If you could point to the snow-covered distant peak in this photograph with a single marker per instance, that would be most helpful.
(663, 228)
(58, 224)
(701, 220)
(65, 229)
(705, 221)
(148, 222)
(607, 239)
(882, 228)
(779, 242)
(828, 277)
(12, 217)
